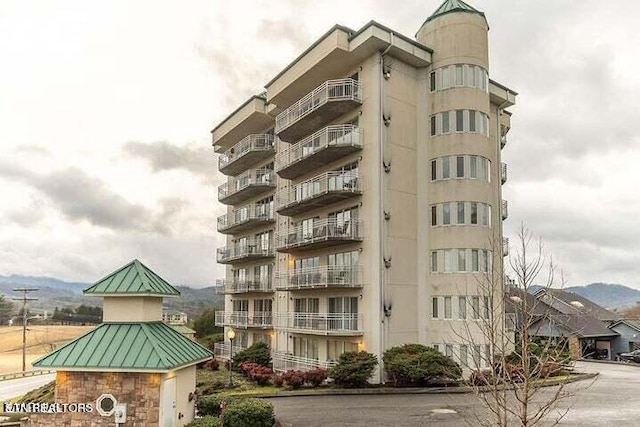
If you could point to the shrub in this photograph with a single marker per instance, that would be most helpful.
(354, 368)
(258, 353)
(260, 375)
(212, 365)
(293, 379)
(249, 412)
(208, 421)
(315, 377)
(277, 380)
(483, 377)
(416, 365)
(246, 367)
(211, 404)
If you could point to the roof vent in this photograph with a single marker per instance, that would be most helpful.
(577, 304)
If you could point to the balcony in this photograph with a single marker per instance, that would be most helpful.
(244, 251)
(222, 350)
(246, 185)
(245, 319)
(322, 233)
(325, 103)
(321, 323)
(240, 286)
(322, 190)
(503, 141)
(324, 277)
(505, 210)
(246, 153)
(284, 362)
(319, 149)
(503, 172)
(245, 218)
(505, 246)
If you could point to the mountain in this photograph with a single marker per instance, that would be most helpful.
(608, 295)
(59, 293)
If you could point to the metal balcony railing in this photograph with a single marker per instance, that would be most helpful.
(284, 362)
(330, 91)
(223, 350)
(505, 209)
(503, 172)
(250, 150)
(244, 250)
(321, 148)
(505, 246)
(321, 323)
(238, 286)
(503, 141)
(323, 232)
(320, 190)
(246, 185)
(326, 276)
(244, 319)
(245, 217)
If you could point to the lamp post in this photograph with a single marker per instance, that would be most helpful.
(231, 334)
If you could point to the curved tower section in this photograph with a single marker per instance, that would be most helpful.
(461, 192)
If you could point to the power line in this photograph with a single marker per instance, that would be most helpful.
(25, 291)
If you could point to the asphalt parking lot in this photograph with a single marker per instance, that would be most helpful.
(613, 399)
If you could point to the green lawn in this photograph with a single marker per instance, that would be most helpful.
(209, 382)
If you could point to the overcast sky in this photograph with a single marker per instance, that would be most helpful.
(106, 108)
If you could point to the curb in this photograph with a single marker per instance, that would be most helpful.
(611, 362)
(403, 390)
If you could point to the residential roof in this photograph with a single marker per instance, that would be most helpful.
(516, 298)
(182, 329)
(582, 325)
(449, 6)
(634, 323)
(133, 279)
(125, 347)
(576, 303)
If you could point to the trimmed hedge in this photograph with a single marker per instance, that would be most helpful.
(211, 404)
(354, 368)
(249, 412)
(208, 421)
(258, 353)
(419, 365)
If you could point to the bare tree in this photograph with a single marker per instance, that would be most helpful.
(516, 363)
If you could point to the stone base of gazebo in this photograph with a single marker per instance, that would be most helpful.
(139, 391)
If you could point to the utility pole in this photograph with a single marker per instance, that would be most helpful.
(24, 299)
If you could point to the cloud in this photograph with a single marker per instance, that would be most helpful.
(163, 156)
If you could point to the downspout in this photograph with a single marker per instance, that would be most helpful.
(381, 189)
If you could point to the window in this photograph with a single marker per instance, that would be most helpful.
(474, 260)
(459, 75)
(472, 121)
(475, 308)
(460, 167)
(434, 217)
(436, 347)
(477, 357)
(473, 166)
(460, 212)
(445, 167)
(459, 121)
(463, 355)
(448, 350)
(446, 214)
(474, 213)
(486, 307)
(432, 81)
(445, 122)
(305, 347)
(434, 176)
(462, 260)
(434, 261)
(447, 307)
(462, 307)
(434, 307)
(447, 260)
(433, 125)
(445, 78)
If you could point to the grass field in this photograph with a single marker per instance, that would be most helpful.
(40, 340)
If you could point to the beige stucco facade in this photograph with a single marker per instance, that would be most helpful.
(132, 309)
(374, 282)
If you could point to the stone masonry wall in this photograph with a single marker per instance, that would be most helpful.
(139, 391)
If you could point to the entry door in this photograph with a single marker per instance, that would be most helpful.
(168, 403)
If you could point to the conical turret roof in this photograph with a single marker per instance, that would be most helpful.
(453, 6)
(130, 280)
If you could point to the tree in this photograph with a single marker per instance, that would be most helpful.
(7, 310)
(419, 365)
(517, 362)
(204, 324)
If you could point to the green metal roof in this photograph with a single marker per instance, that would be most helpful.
(133, 279)
(454, 6)
(127, 346)
(183, 329)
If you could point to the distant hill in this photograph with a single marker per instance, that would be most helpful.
(59, 293)
(608, 295)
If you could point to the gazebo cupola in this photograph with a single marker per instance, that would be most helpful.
(132, 294)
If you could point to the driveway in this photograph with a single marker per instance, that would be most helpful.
(21, 386)
(612, 400)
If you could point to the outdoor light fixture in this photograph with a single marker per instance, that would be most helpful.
(231, 334)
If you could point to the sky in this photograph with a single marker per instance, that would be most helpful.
(106, 110)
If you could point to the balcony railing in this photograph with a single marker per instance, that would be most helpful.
(284, 362)
(243, 251)
(505, 209)
(245, 319)
(223, 350)
(246, 185)
(245, 218)
(326, 276)
(322, 190)
(321, 323)
(321, 148)
(328, 101)
(503, 141)
(505, 246)
(503, 172)
(246, 153)
(238, 286)
(324, 232)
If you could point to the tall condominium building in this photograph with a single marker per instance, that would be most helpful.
(364, 194)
